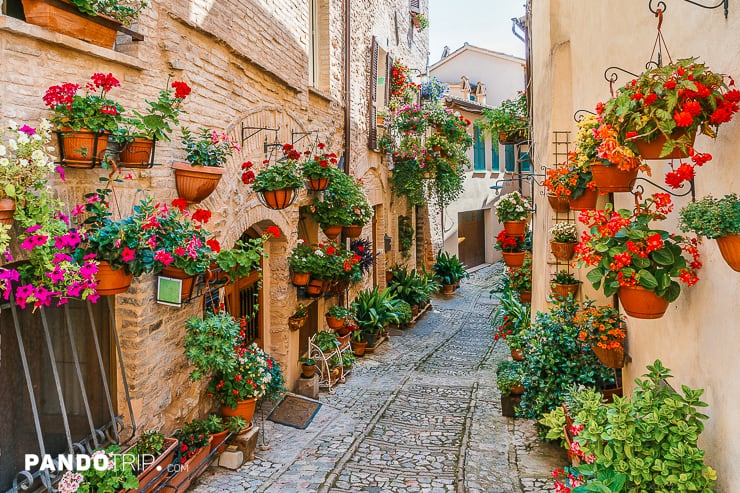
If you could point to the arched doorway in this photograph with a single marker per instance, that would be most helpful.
(243, 298)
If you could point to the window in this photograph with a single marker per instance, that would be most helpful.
(379, 88)
(313, 43)
(83, 380)
(479, 150)
(495, 157)
(318, 44)
(510, 159)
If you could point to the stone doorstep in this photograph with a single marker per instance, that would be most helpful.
(240, 450)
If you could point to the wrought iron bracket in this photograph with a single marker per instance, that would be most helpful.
(249, 132)
(304, 135)
(580, 115)
(640, 190)
(661, 5)
(530, 178)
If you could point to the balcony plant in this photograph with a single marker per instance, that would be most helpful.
(630, 258)
(245, 256)
(277, 184)
(510, 321)
(317, 170)
(410, 119)
(343, 204)
(508, 121)
(717, 219)
(604, 329)
(299, 317)
(206, 155)
(218, 428)
(126, 11)
(513, 210)
(403, 88)
(511, 247)
(299, 262)
(336, 316)
(564, 238)
(433, 89)
(564, 284)
(520, 278)
(448, 270)
(420, 21)
(191, 453)
(84, 121)
(572, 181)
(153, 450)
(666, 106)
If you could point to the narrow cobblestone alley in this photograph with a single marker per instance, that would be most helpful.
(420, 414)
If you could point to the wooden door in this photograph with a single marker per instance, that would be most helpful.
(471, 238)
(243, 299)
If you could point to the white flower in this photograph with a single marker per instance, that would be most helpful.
(23, 162)
(3, 150)
(12, 145)
(4, 161)
(23, 139)
(12, 125)
(38, 155)
(300, 240)
(319, 253)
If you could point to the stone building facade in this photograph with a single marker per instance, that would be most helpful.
(697, 338)
(259, 64)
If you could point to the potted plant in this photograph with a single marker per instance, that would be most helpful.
(564, 239)
(218, 428)
(308, 367)
(118, 477)
(571, 185)
(509, 321)
(405, 315)
(507, 121)
(658, 113)
(403, 87)
(318, 170)
(511, 247)
(513, 210)
(509, 376)
(336, 316)
(432, 89)
(717, 219)
(604, 329)
(326, 341)
(277, 184)
(358, 342)
(448, 270)
(564, 285)
(83, 23)
(206, 154)
(298, 260)
(137, 142)
(635, 261)
(84, 121)
(192, 454)
(520, 278)
(343, 204)
(245, 256)
(420, 21)
(373, 310)
(159, 452)
(299, 317)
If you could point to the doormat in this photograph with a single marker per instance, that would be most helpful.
(295, 411)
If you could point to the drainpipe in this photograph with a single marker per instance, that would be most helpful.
(347, 93)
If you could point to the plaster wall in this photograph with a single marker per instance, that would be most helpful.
(698, 337)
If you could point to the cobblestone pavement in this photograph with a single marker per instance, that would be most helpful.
(420, 414)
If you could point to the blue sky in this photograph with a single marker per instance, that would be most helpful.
(484, 23)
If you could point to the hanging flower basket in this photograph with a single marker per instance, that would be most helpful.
(515, 228)
(332, 232)
(652, 149)
(561, 291)
(729, 247)
(315, 287)
(559, 203)
(186, 290)
(562, 251)
(611, 358)
(7, 210)
(317, 184)
(301, 278)
(277, 199)
(295, 323)
(513, 259)
(195, 183)
(81, 149)
(112, 281)
(137, 154)
(612, 179)
(587, 201)
(525, 296)
(638, 302)
(353, 231)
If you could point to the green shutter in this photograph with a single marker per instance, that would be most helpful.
(479, 151)
(525, 161)
(510, 161)
(495, 164)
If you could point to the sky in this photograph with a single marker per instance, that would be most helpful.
(483, 23)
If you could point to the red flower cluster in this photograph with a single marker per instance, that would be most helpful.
(248, 174)
(507, 243)
(61, 95)
(182, 90)
(104, 81)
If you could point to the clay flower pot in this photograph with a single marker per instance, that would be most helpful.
(638, 302)
(561, 291)
(278, 199)
(334, 323)
(358, 347)
(83, 148)
(562, 251)
(513, 259)
(353, 231)
(587, 201)
(612, 179)
(332, 232)
(611, 358)
(651, 150)
(77, 25)
(195, 183)
(244, 409)
(301, 278)
(525, 296)
(315, 287)
(7, 210)
(112, 281)
(186, 290)
(558, 203)
(729, 247)
(136, 154)
(515, 228)
(317, 184)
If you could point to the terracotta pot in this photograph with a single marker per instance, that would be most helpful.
(186, 290)
(525, 296)
(195, 183)
(81, 149)
(317, 184)
(388, 276)
(278, 199)
(562, 250)
(515, 228)
(611, 392)
(217, 439)
(315, 287)
(151, 477)
(513, 260)
(307, 371)
(611, 358)
(7, 210)
(332, 232)
(136, 154)
(112, 281)
(333, 322)
(651, 150)
(359, 347)
(587, 201)
(295, 323)
(558, 203)
(638, 302)
(77, 25)
(343, 340)
(509, 405)
(561, 291)
(517, 390)
(448, 288)
(244, 409)
(353, 231)
(415, 310)
(301, 278)
(517, 354)
(612, 179)
(190, 470)
(729, 247)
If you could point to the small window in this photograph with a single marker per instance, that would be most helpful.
(318, 44)
(479, 150)
(510, 161)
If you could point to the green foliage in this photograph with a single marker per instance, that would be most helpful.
(513, 207)
(405, 234)
(520, 278)
(448, 269)
(564, 232)
(342, 203)
(326, 341)
(307, 361)
(120, 477)
(404, 312)
(209, 343)
(339, 312)
(161, 115)
(207, 148)
(555, 359)
(407, 181)
(564, 277)
(410, 286)
(509, 374)
(150, 442)
(94, 111)
(510, 118)
(192, 437)
(511, 319)
(711, 217)
(374, 309)
(649, 437)
(125, 11)
(244, 258)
